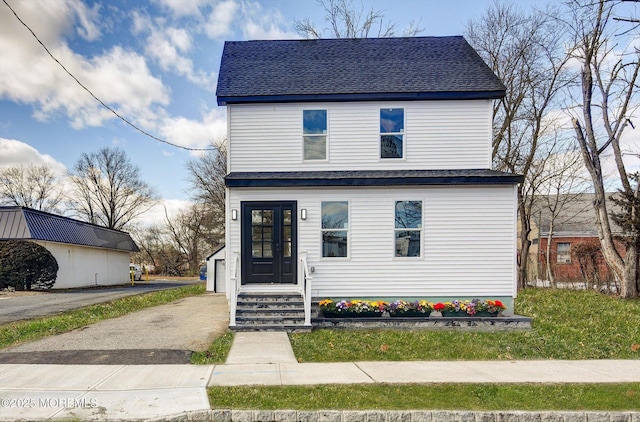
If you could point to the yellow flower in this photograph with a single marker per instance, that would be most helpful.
(326, 302)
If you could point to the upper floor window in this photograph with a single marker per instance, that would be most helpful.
(391, 133)
(335, 229)
(564, 253)
(408, 228)
(314, 132)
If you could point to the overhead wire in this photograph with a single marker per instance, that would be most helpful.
(125, 120)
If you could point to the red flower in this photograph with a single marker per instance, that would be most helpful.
(498, 304)
(438, 307)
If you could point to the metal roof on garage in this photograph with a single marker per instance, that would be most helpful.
(29, 224)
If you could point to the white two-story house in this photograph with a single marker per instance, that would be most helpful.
(361, 168)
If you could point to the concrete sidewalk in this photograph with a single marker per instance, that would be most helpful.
(139, 392)
(267, 359)
(101, 392)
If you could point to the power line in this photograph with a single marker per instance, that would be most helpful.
(94, 96)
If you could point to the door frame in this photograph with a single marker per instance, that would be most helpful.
(246, 244)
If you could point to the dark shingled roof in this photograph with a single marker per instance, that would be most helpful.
(26, 223)
(371, 178)
(354, 70)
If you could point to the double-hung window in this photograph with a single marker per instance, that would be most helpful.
(392, 133)
(314, 134)
(564, 253)
(335, 229)
(408, 228)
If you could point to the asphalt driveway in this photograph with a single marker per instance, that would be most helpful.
(26, 305)
(165, 334)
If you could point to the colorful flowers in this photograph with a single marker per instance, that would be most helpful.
(355, 306)
(400, 307)
(472, 307)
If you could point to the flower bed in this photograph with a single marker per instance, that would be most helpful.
(401, 308)
(475, 307)
(352, 308)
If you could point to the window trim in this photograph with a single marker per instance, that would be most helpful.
(348, 230)
(564, 253)
(403, 133)
(420, 229)
(326, 136)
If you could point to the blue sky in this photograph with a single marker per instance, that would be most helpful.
(156, 63)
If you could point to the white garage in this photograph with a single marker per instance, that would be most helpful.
(216, 272)
(87, 254)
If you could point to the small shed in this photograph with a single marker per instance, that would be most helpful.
(87, 254)
(216, 272)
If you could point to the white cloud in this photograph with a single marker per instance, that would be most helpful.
(156, 215)
(193, 133)
(260, 24)
(88, 19)
(14, 152)
(168, 46)
(182, 7)
(119, 77)
(219, 21)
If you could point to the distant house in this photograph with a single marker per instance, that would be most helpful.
(575, 253)
(361, 168)
(87, 254)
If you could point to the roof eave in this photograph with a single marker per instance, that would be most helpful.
(349, 97)
(257, 182)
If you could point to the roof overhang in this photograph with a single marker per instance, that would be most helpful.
(22, 223)
(371, 178)
(383, 96)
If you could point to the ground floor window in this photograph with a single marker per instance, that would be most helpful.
(564, 253)
(408, 228)
(335, 229)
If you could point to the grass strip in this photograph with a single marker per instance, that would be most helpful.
(566, 325)
(217, 351)
(22, 331)
(487, 397)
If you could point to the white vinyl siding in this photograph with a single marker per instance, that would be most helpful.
(468, 240)
(437, 135)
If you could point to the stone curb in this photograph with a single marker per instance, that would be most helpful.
(229, 415)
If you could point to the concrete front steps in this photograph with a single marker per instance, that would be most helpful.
(270, 312)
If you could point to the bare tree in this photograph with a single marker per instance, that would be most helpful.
(608, 96)
(31, 186)
(560, 188)
(524, 51)
(109, 190)
(186, 233)
(206, 174)
(345, 20)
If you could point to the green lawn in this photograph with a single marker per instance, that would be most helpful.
(566, 325)
(599, 397)
(216, 353)
(33, 329)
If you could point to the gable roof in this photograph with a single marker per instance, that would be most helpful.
(416, 68)
(29, 224)
(576, 217)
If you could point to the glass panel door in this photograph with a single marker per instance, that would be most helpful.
(268, 242)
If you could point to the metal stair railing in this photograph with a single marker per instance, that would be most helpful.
(304, 285)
